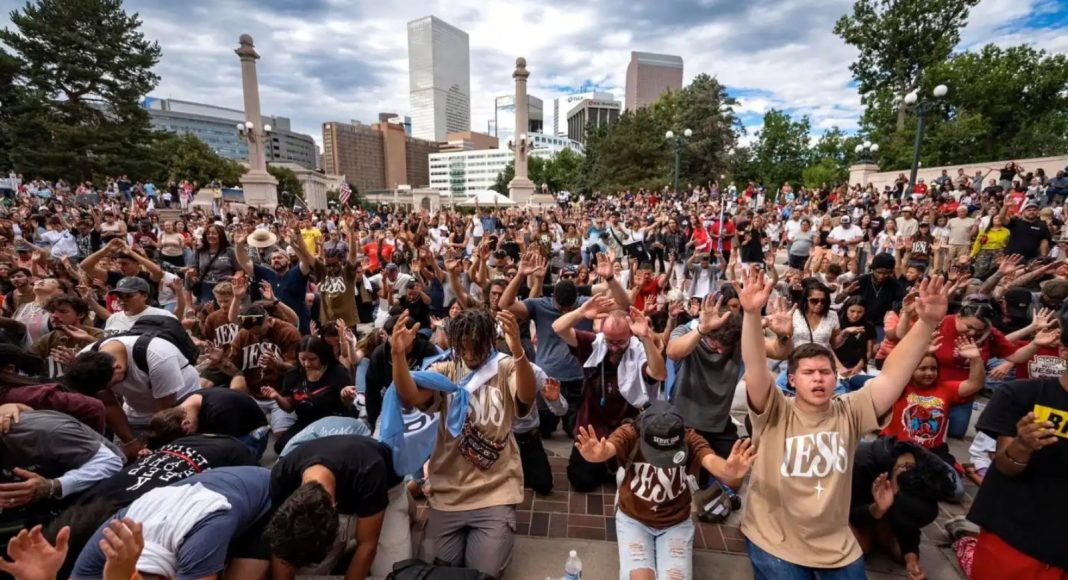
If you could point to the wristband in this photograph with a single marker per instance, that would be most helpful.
(1013, 460)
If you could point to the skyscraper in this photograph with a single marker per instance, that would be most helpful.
(649, 75)
(439, 78)
(563, 104)
(504, 118)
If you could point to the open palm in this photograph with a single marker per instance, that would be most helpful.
(589, 445)
(712, 315)
(754, 294)
(933, 300)
(741, 459)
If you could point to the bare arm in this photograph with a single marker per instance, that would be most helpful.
(400, 341)
(508, 301)
(931, 305)
(758, 380)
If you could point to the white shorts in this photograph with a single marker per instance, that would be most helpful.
(280, 420)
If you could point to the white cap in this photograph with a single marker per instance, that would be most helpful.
(573, 554)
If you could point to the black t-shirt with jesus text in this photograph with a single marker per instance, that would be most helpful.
(182, 458)
(1028, 511)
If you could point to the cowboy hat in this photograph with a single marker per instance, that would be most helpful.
(262, 239)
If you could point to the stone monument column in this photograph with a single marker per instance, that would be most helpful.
(521, 188)
(260, 187)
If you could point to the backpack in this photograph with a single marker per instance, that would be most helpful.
(419, 570)
(157, 326)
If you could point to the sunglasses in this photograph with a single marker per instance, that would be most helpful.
(816, 301)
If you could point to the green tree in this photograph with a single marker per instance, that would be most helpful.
(83, 66)
(185, 156)
(898, 40)
(504, 178)
(287, 181)
(781, 150)
(563, 171)
(704, 107)
(1002, 103)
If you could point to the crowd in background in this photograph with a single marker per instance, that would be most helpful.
(290, 380)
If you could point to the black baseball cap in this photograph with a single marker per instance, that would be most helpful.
(1017, 302)
(662, 436)
(130, 285)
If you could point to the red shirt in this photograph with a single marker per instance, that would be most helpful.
(1045, 364)
(714, 231)
(922, 415)
(648, 290)
(371, 251)
(951, 368)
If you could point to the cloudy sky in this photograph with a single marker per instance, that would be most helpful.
(341, 60)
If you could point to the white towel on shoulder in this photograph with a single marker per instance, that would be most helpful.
(629, 371)
(167, 514)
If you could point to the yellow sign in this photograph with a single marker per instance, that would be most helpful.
(1056, 416)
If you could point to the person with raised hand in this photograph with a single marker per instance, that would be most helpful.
(474, 464)
(122, 545)
(619, 366)
(708, 366)
(658, 454)
(803, 473)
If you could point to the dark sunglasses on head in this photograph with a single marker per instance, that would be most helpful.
(981, 310)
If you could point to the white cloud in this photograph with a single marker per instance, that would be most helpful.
(337, 60)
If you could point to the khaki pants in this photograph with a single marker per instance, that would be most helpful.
(481, 539)
(394, 542)
(955, 252)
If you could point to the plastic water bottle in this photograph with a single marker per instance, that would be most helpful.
(573, 567)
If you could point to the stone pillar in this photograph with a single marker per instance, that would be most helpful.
(260, 187)
(862, 172)
(521, 188)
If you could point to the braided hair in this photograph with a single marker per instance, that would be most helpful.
(473, 330)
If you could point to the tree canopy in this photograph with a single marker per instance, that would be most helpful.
(80, 68)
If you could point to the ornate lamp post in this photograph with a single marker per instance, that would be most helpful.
(677, 143)
(866, 152)
(922, 108)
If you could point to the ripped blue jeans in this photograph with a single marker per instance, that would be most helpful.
(668, 552)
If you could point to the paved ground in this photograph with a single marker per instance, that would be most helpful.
(549, 527)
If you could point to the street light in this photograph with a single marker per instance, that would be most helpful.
(677, 142)
(923, 107)
(866, 152)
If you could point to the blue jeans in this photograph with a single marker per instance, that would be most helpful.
(327, 427)
(256, 441)
(960, 416)
(993, 385)
(667, 552)
(768, 567)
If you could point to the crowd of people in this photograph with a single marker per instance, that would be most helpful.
(264, 392)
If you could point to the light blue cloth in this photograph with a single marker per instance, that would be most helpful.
(411, 446)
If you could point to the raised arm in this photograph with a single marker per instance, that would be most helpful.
(89, 264)
(565, 325)
(619, 293)
(400, 341)
(967, 349)
(525, 387)
(241, 253)
(507, 300)
(931, 304)
(758, 380)
(712, 317)
(307, 261)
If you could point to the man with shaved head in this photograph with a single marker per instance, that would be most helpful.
(620, 365)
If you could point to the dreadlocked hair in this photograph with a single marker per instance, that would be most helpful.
(472, 329)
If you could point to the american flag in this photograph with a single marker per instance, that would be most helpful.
(346, 193)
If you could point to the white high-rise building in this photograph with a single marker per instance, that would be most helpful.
(563, 104)
(439, 78)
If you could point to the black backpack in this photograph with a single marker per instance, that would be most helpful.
(420, 570)
(156, 326)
